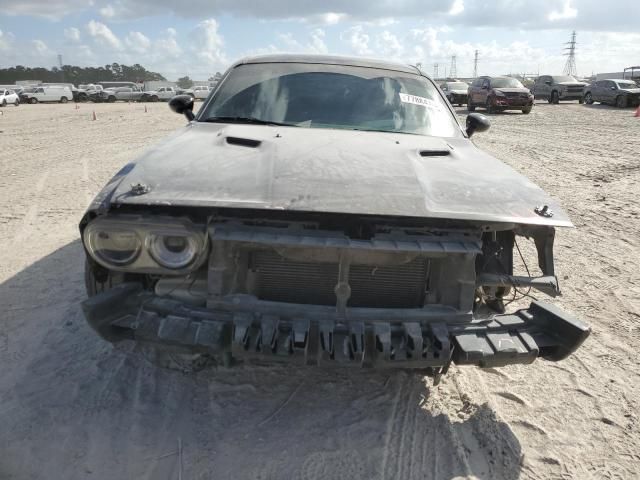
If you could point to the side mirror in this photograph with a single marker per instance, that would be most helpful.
(485, 87)
(612, 88)
(182, 104)
(476, 122)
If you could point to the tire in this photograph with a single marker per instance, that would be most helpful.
(588, 98)
(489, 107)
(17, 103)
(527, 110)
(64, 100)
(4, 102)
(471, 108)
(33, 101)
(111, 99)
(154, 99)
(621, 101)
(555, 98)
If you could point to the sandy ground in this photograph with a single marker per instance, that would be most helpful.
(73, 407)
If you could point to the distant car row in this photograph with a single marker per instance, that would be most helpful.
(98, 93)
(507, 93)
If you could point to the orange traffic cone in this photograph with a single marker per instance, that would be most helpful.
(637, 114)
(94, 116)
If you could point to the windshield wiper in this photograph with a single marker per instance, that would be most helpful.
(249, 120)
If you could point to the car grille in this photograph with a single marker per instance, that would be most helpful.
(387, 286)
(574, 89)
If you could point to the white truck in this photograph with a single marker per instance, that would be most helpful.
(199, 92)
(163, 93)
(49, 93)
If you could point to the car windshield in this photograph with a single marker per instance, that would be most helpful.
(458, 86)
(332, 96)
(627, 85)
(506, 83)
(564, 78)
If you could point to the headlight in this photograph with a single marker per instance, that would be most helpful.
(146, 244)
(113, 246)
(173, 251)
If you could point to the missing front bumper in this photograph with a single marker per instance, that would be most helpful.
(542, 330)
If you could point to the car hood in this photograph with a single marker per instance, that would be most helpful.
(458, 91)
(326, 170)
(512, 90)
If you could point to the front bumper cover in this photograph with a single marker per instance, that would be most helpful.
(542, 330)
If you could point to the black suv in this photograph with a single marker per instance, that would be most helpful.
(497, 94)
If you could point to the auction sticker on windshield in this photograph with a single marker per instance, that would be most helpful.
(416, 100)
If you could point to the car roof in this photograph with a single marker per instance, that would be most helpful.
(330, 60)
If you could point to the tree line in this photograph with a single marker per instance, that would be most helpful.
(79, 75)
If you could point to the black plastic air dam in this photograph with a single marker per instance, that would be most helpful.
(542, 330)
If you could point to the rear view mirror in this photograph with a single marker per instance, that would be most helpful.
(182, 104)
(476, 122)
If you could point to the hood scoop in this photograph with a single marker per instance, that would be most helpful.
(435, 153)
(244, 142)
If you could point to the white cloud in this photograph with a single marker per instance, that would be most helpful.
(207, 43)
(137, 42)
(357, 40)
(332, 18)
(317, 44)
(108, 11)
(457, 7)
(567, 12)
(41, 48)
(6, 39)
(389, 46)
(167, 46)
(103, 35)
(72, 34)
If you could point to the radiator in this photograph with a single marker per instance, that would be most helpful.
(387, 286)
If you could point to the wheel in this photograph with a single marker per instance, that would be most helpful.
(526, 110)
(17, 103)
(621, 101)
(489, 107)
(470, 107)
(154, 98)
(33, 101)
(588, 98)
(555, 98)
(64, 100)
(4, 102)
(111, 99)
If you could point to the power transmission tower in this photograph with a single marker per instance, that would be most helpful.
(435, 70)
(453, 73)
(570, 66)
(475, 65)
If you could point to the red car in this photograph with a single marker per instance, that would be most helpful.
(497, 94)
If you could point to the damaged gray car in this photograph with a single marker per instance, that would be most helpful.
(325, 211)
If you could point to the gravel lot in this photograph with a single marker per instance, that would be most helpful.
(73, 407)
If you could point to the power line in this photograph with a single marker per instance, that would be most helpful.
(570, 65)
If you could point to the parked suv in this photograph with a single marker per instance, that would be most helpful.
(497, 94)
(558, 87)
(8, 97)
(456, 92)
(621, 93)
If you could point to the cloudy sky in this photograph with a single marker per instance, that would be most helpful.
(200, 37)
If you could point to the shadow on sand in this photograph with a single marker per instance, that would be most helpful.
(85, 409)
